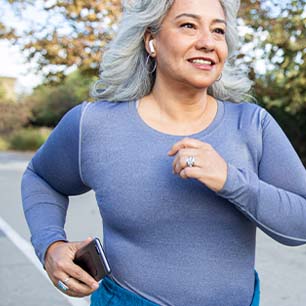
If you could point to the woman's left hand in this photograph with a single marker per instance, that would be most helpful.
(208, 167)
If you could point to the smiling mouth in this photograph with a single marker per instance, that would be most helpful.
(202, 61)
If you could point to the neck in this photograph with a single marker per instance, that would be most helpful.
(177, 111)
(180, 104)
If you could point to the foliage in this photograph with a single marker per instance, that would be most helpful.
(28, 139)
(3, 144)
(73, 34)
(12, 116)
(7, 33)
(295, 127)
(49, 103)
(279, 30)
(2, 93)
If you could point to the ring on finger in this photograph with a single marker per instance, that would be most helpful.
(65, 281)
(190, 161)
(62, 286)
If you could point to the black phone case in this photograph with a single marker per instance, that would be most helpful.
(92, 259)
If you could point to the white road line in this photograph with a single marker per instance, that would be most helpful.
(27, 249)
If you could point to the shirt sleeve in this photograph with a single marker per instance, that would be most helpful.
(275, 199)
(52, 175)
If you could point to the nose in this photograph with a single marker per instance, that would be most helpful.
(205, 42)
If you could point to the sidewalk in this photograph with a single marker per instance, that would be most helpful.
(21, 283)
(282, 270)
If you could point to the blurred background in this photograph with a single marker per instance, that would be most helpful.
(49, 57)
(50, 53)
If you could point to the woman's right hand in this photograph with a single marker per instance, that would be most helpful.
(60, 267)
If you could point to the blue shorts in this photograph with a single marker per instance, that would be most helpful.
(111, 294)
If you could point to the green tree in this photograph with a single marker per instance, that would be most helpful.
(278, 29)
(73, 34)
(12, 116)
(2, 93)
(48, 103)
(275, 38)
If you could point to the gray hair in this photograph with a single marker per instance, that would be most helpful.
(126, 74)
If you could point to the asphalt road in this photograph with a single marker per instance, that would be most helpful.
(282, 269)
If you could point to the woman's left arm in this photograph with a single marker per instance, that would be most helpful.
(275, 198)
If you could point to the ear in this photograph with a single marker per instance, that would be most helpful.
(149, 44)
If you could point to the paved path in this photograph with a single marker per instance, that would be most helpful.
(282, 269)
(22, 283)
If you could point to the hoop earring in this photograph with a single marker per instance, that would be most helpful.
(219, 78)
(148, 64)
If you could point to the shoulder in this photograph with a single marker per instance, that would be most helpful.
(245, 108)
(105, 108)
(104, 105)
(107, 115)
(245, 113)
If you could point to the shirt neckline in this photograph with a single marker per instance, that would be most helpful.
(148, 129)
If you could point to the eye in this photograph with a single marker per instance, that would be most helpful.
(219, 31)
(187, 25)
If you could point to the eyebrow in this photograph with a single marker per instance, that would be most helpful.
(198, 17)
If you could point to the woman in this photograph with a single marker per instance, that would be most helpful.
(182, 177)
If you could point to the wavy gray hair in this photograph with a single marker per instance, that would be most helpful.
(126, 72)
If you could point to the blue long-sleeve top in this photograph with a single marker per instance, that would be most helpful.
(173, 241)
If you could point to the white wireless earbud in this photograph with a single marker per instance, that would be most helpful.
(151, 47)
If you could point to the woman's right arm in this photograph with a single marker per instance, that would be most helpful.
(50, 178)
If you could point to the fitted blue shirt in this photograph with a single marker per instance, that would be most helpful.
(172, 241)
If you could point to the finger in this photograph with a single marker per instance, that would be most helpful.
(81, 244)
(75, 294)
(186, 143)
(188, 173)
(180, 160)
(60, 264)
(78, 288)
(81, 280)
(75, 287)
(64, 287)
(72, 293)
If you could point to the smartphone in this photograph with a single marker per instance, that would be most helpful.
(92, 259)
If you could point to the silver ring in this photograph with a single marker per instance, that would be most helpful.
(62, 286)
(190, 161)
(65, 281)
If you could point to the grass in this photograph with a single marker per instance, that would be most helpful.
(27, 139)
(4, 145)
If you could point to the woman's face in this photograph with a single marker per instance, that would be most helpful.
(191, 47)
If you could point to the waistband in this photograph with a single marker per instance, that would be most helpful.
(111, 294)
